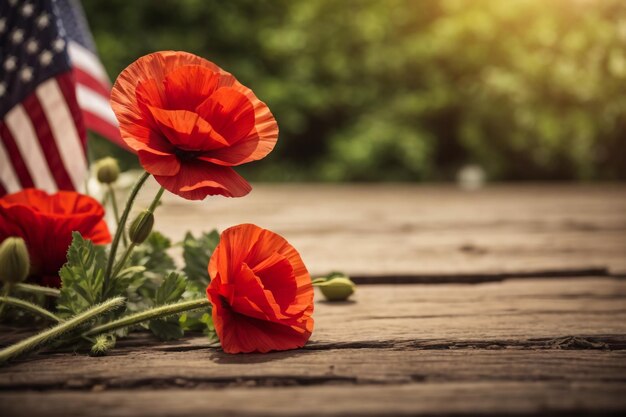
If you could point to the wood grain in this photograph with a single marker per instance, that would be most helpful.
(204, 368)
(524, 309)
(427, 231)
(409, 341)
(529, 308)
(438, 399)
(541, 331)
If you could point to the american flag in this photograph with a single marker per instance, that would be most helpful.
(52, 87)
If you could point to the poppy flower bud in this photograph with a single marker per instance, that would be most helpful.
(337, 289)
(14, 260)
(107, 170)
(141, 227)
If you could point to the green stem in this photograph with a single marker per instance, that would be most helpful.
(156, 200)
(28, 306)
(122, 261)
(116, 212)
(150, 314)
(105, 197)
(53, 333)
(120, 230)
(6, 290)
(37, 289)
(129, 249)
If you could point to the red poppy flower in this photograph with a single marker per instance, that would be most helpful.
(261, 292)
(190, 122)
(46, 223)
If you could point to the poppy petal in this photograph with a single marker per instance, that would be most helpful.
(283, 292)
(46, 223)
(197, 179)
(188, 86)
(255, 300)
(154, 67)
(248, 146)
(263, 307)
(158, 163)
(186, 130)
(150, 93)
(230, 113)
(265, 133)
(261, 254)
(235, 155)
(236, 242)
(244, 334)
(174, 104)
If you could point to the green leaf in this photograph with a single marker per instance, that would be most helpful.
(196, 253)
(152, 254)
(131, 271)
(196, 321)
(171, 289)
(81, 276)
(166, 329)
(200, 321)
(149, 264)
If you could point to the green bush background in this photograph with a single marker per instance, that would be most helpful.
(369, 90)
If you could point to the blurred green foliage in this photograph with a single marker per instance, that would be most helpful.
(407, 90)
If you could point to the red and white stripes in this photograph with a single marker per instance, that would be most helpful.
(92, 91)
(42, 140)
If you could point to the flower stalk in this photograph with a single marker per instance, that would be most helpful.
(156, 200)
(138, 236)
(146, 315)
(30, 307)
(6, 290)
(122, 261)
(120, 230)
(116, 213)
(41, 338)
(37, 290)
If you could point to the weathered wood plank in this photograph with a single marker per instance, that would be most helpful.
(397, 349)
(514, 310)
(413, 231)
(204, 368)
(527, 346)
(458, 398)
(521, 312)
(516, 314)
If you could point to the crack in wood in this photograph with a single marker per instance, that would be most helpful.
(570, 342)
(569, 360)
(101, 384)
(609, 342)
(478, 278)
(336, 369)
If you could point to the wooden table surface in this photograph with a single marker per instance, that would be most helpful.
(506, 300)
